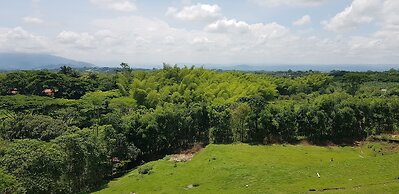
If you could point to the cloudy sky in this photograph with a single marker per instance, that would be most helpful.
(149, 32)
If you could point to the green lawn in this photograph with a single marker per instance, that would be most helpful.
(270, 169)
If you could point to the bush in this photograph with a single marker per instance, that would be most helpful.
(25, 159)
(145, 170)
(9, 184)
(39, 127)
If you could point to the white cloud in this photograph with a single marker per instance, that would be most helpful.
(32, 20)
(274, 3)
(200, 40)
(257, 31)
(198, 12)
(391, 15)
(358, 13)
(225, 25)
(306, 19)
(116, 5)
(384, 43)
(380, 46)
(78, 40)
(138, 40)
(230, 42)
(19, 40)
(150, 41)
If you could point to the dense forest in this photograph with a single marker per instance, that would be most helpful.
(68, 131)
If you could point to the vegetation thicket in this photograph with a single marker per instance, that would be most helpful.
(69, 131)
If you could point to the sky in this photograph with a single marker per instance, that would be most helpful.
(219, 32)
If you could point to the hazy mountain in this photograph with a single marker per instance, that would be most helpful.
(325, 68)
(29, 61)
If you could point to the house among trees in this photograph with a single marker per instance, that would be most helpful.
(49, 92)
(14, 91)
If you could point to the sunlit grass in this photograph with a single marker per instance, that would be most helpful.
(270, 169)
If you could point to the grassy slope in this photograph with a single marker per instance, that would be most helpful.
(269, 169)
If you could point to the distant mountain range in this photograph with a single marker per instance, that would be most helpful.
(322, 68)
(30, 61)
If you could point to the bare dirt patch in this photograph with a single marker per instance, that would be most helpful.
(186, 155)
(181, 157)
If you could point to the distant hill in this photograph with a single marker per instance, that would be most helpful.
(30, 61)
(323, 68)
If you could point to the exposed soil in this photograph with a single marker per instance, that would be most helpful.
(186, 155)
(181, 157)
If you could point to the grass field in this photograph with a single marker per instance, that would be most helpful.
(370, 168)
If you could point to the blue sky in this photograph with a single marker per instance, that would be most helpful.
(220, 32)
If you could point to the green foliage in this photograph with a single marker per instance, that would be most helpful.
(34, 104)
(304, 84)
(9, 184)
(38, 127)
(220, 131)
(67, 83)
(140, 96)
(239, 122)
(102, 124)
(124, 104)
(68, 71)
(118, 146)
(86, 162)
(94, 104)
(276, 124)
(36, 165)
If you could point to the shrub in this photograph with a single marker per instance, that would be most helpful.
(145, 170)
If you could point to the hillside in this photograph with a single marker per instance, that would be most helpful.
(30, 61)
(243, 168)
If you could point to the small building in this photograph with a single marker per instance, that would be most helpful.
(49, 92)
(14, 91)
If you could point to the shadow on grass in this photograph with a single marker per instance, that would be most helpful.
(304, 141)
(104, 185)
(146, 159)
